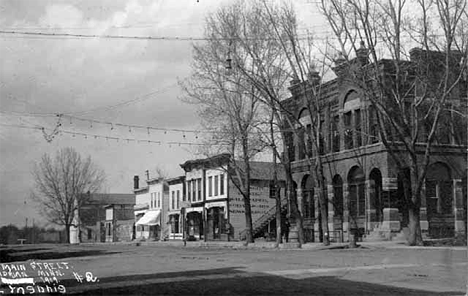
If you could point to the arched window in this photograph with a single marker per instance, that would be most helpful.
(357, 198)
(338, 196)
(308, 197)
(439, 195)
(352, 120)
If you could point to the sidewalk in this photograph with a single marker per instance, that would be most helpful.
(289, 246)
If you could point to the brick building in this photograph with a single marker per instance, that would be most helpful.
(362, 180)
(92, 216)
(213, 205)
(120, 222)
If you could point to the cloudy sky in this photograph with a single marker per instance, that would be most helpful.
(113, 81)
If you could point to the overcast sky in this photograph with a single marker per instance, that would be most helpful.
(125, 81)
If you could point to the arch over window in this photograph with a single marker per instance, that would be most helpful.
(304, 113)
(352, 101)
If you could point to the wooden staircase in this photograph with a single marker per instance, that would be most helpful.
(264, 220)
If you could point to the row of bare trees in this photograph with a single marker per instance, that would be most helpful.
(241, 76)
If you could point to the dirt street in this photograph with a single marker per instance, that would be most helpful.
(169, 270)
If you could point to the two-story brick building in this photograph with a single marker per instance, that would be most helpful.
(362, 178)
(213, 205)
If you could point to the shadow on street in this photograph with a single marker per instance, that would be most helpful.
(16, 255)
(237, 282)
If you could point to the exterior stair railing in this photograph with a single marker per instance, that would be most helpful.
(264, 219)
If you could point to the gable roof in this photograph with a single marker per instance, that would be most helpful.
(260, 170)
(111, 199)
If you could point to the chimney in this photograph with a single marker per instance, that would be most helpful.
(294, 81)
(147, 174)
(136, 180)
(313, 77)
(362, 54)
(340, 62)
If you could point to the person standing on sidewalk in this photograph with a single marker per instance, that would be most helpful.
(285, 228)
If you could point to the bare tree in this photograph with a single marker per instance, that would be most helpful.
(410, 91)
(63, 184)
(228, 105)
(259, 59)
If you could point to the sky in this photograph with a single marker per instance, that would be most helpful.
(103, 88)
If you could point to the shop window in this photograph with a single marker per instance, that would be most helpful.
(199, 189)
(194, 190)
(210, 186)
(178, 199)
(173, 200)
(221, 184)
(189, 190)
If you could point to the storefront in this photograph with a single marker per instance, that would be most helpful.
(194, 218)
(149, 225)
(217, 224)
(175, 225)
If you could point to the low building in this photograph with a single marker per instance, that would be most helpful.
(91, 217)
(214, 206)
(151, 209)
(120, 222)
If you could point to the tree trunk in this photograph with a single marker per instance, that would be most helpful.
(248, 211)
(323, 200)
(324, 217)
(278, 216)
(414, 236)
(413, 191)
(353, 233)
(67, 232)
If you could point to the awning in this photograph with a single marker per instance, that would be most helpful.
(150, 218)
(194, 209)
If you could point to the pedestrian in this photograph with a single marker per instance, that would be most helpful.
(285, 229)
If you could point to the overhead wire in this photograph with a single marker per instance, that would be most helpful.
(108, 107)
(124, 139)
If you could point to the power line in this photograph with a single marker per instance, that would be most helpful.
(109, 107)
(118, 139)
(43, 35)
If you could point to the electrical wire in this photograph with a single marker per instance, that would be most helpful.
(118, 139)
(109, 107)
(155, 38)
